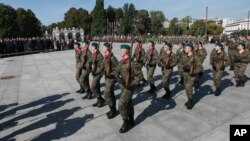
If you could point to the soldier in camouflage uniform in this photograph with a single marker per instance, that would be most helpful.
(179, 53)
(138, 59)
(232, 49)
(126, 72)
(219, 60)
(78, 54)
(167, 61)
(189, 62)
(96, 69)
(201, 53)
(110, 64)
(241, 59)
(85, 68)
(151, 61)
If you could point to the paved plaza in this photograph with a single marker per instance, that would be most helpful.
(38, 101)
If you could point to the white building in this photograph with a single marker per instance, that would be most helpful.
(166, 24)
(236, 26)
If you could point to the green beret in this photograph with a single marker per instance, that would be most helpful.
(107, 45)
(79, 40)
(77, 43)
(86, 42)
(190, 45)
(219, 44)
(242, 44)
(95, 45)
(124, 46)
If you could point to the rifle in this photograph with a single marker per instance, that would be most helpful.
(108, 65)
(191, 73)
(127, 79)
(138, 58)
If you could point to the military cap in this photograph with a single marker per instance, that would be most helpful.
(168, 44)
(107, 45)
(190, 45)
(242, 44)
(86, 42)
(95, 45)
(124, 46)
(77, 43)
(183, 44)
(219, 44)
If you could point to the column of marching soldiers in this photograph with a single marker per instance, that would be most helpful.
(189, 59)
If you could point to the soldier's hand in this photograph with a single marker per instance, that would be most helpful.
(222, 68)
(214, 67)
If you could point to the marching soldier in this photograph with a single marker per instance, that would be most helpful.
(232, 49)
(151, 61)
(179, 53)
(96, 69)
(219, 60)
(241, 59)
(126, 72)
(201, 53)
(138, 59)
(78, 54)
(85, 66)
(189, 62)
(110, 64)
(167, 61)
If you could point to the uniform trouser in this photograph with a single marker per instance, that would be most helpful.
(150, 73)
(231, 55)
(239, 71)
(78, 72)
(180, 71)
(138, 73)
(126, 107)
(84, 80)
(109, 92)
(165, 77)
(96, 86)
(188, 84)
(217, 78)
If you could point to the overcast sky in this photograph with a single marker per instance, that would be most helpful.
(49, 11)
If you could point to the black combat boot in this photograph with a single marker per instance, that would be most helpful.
(217, 92)
(112, 113)
(152, 89)
(101, 102)
(97, 102)
(144, 82)
(242, 83)
(132, 121)
(200, 74)
(86, 96)
(196, 84)
(189, 104)
(90, 95)
(168, 94)
(237, 83)
(231, 68)
(126, 126)
(81, 90)
(181, 81)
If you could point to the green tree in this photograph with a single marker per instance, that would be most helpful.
(213, 28)
(28, 24)
(157, 19)
(111, 14)
(174, 27)
(98, 25)
(143, 22)
(78, 18)
(127, 24)
(8, 25)
(198, 28)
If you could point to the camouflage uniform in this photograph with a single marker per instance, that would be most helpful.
(201, 54)
(97, 69)
(240, 65)
(125, 70)
(179, 53)
(187, 63)
(110, 79)
(85, 68)
(232, 49)
(78, 55)
(167, 62)
(218, 68)
(151, 61)
(138, 59)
